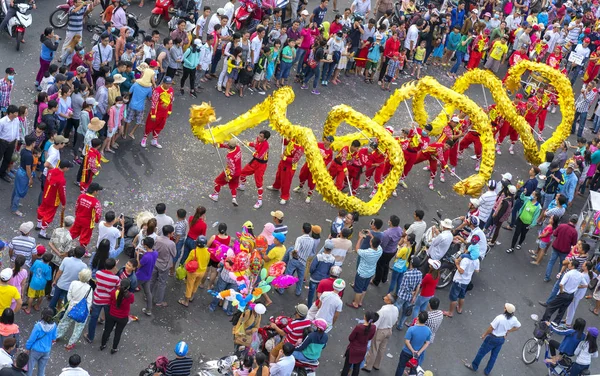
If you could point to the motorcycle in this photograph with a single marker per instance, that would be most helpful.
(247, 16)
(19, 22)
(60, 17)
(132, 24)
(160, 10)
(190, 26)
(307, 368)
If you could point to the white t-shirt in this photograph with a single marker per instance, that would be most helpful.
(256, 46)
(330, 304)
(502, 325)
(368, 32)
(361, 6)
(584, 51)
(411, 35)
(5, 359)
(229, 9)
(469, 266)
(162, 220)
(215, 19)
(53, 158)
(108, 232)
(482, 241)
(418, 228)
(149, 52)
(201, 23)
(340, 248)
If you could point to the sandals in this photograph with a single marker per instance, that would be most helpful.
(182, 302)
(592, 311)
(352, 306)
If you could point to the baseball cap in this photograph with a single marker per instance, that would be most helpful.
(277, 214)
(81, 69)
(70, 76)
(593, 331)
(586, 40)
(507, 176)
(130, 46)
(509, 308)
(328, 244)
(60, 139)
(512, 189)
(6, 274)
(302, 310)
(94, 187)
(304, 12)
(475, 202)
(167, 80)
(475, 11)
(455, 119)
(248, 224)
(435, 264)
(198, 42)
(329, 138)
(40, 249)
(153, 64)
(279, 236)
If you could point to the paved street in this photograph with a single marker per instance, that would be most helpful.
(181, 175)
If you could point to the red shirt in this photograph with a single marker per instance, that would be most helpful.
(565, 237)
(88, 210)
(553, 60)
(327, 154)
(262, 150)
(391, 46)
(428, 285)
(121, 312)
(55, 191)
(162, 102)
(361, 157)
(234, 160)
(326, 285)
(516, 57)
(295, 330)
(341, 157)
(197, 229)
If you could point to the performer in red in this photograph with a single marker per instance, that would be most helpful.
(338, 169)
(358, 160)
(455, 129)
(593, 67)
(374, 166)
(534, 106)
(548, 99)
(88, 212)
(412, 141)
(286, 170)
(55, 193)
(231, 175)
(479, 46)
(258, 165)
(472, 137)
(517, 56)
(160, 109)
(431, 153)
(506, 129)
(555, 58)
(305, 174)
(91, 165)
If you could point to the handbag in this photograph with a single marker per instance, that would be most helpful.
(192, 265)
(593, 283)
(180, 273)
(79, 312)
(312, 63)
(399, 265)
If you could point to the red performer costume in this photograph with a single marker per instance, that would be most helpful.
(534, 107)
(506, 129)
(555, 58)
(286, 170)
(338, 169)
(593, 68)
(517, 56)
(305, 174)
(358, 160)
(231, 175)
(374, 166)
(435, 153)
(55, 194)
(160, 109)
(88, 212)
(416, 140)
(90, 168)
(548, 98)
(453, 132)
(477, 49)
(257, 165)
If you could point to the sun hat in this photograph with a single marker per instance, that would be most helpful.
(447, 223)
(96, 124)
(119, 79)
(509, 308)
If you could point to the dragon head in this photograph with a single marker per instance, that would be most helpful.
(200, 117)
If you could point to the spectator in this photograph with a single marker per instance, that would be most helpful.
(416, 341)
(73, 369)
(388, 315)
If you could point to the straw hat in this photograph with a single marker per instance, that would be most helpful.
(146, 79)
(142, 67)
(96, 124)
(118, 79)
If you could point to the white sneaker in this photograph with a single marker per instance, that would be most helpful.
(403, 184)
(394, 193)
(282, 202)
(364, 185)
(511, 149)
(431, 185)
(242, 187)
(214, 197)
(271, 188)
(442, 177)
(453, 169)
(258, 204)
(426, 168)
(156, 144)
(298, 189)
(498, 151)
(477, 167)
(553, 109)
(143, 143)
(474, 157)
(234, 201)
(307, 200)
(460, 156)
(373, 192)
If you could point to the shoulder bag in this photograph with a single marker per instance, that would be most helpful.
(79, 312)
(192, 265)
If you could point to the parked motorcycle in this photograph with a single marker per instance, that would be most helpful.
(190, 26)
(132, 22)
(307, 368)
(247, 16)
(160, 11)
(22, 19)
(60, 17)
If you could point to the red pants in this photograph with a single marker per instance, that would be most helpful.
(83, 186)
(45, 214)
(233, 184)
(155, 126)
(306, 177)
(354, 173)
(258, 170)
(531, 119)
(337, 173)
(283, 179)
(374, 170)
(474, 60)
(410, 157)
(82, 229)
(507, 130)
(542, 120)
(471, 138)
(451, 155)
(421, 157)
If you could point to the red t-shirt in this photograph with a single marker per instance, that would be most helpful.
(428, 285)
(122, 311)
(295, 329)
(197, 229)
(326, 285)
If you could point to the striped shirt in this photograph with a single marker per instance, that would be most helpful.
(179, 367)
(24, 246)
(304, 247)
(295, 330)
(75, 24)
(585, 99)
(281, 228)
(106, 281)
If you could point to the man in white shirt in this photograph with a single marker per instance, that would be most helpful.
(341, 246)
(361, 7)
(229, 9)
(9, 131)
(214, 20)
(465, 267)
(418, 228)
(284, 364)
(8, 345)
(388, 316)
(73, 369)
(106, 230)
(494, 338)
(161, 218)
(584, 51)
(474, 223)
(369, 30)
(486, 203)
(442, 242)
(330, 305)
(513, 21)
(568, 285)
(201, 22)
(256, 44)
(412, 36)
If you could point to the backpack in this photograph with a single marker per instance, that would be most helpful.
(158, 366)
(236, 318)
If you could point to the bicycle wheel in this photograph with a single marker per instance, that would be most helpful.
(530, 351)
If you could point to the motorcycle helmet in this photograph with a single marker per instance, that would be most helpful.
(473, 220)
(320, 324)
(339, 284)
(201, 241)
(181, 349)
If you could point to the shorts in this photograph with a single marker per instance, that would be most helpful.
(135, 114)
(259, 76)
(214, 264)
(388, 78)
(543, 245)
(361, 284)
(112, 133)
(418, 62)
(371, 65)
(458, 291)
(34, 294)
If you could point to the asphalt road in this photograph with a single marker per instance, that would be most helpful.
(181, 175)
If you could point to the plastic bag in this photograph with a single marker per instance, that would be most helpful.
(180, 273)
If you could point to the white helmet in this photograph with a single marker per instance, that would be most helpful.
(339, 284)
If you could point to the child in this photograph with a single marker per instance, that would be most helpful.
(181, 227)
(418, 59)
(129, 54)
(373, 59)
(128, 272)
(343, 63)
(391, 72)
(234, 64)
(90, 166)
(497, 54)
(438, 47)
(115, 116)
(585, 351)
(288, 55)
(361, 60)
(260, 71)
(49, 78)
(41, 273)
(544, 240)
(283, 37)
(246, 367)
(275, 33)
(245, 78)
(272, 61)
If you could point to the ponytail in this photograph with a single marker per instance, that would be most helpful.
(123, 291)
(370, 318)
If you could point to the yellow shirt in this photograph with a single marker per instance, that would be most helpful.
(403, 253)
(498, 50)
(420, 54)
(8, 293)
(274, 255)
(202, 256)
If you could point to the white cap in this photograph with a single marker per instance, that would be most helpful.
(475, 11)
(198, 42)
(6, 274)
(507, 176)
(475, 202)
(455, 119)
(435, 264)
(304, 13)
(509, 308)
(447, 223)
(221, 11)
(512, 189)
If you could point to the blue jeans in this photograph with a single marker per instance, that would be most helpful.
(310, 72)
(490, 343)
(188, 245)
(548, 197)
(178, 247)
(298, 355)
(597, 124)
(284, 70)
(575, 73)
(401, 305)
(58, 295)
(221, 286)
(459, 60)
(297, 266)
(40, 359)
(312, 288)
(581, 116)
(395, 282)
(300, 54)
(555, 256)
(61, 126)
(94, 314)
(420, 305)
(554, 292)
(576, 369)
(515, 210)
(328, 69)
